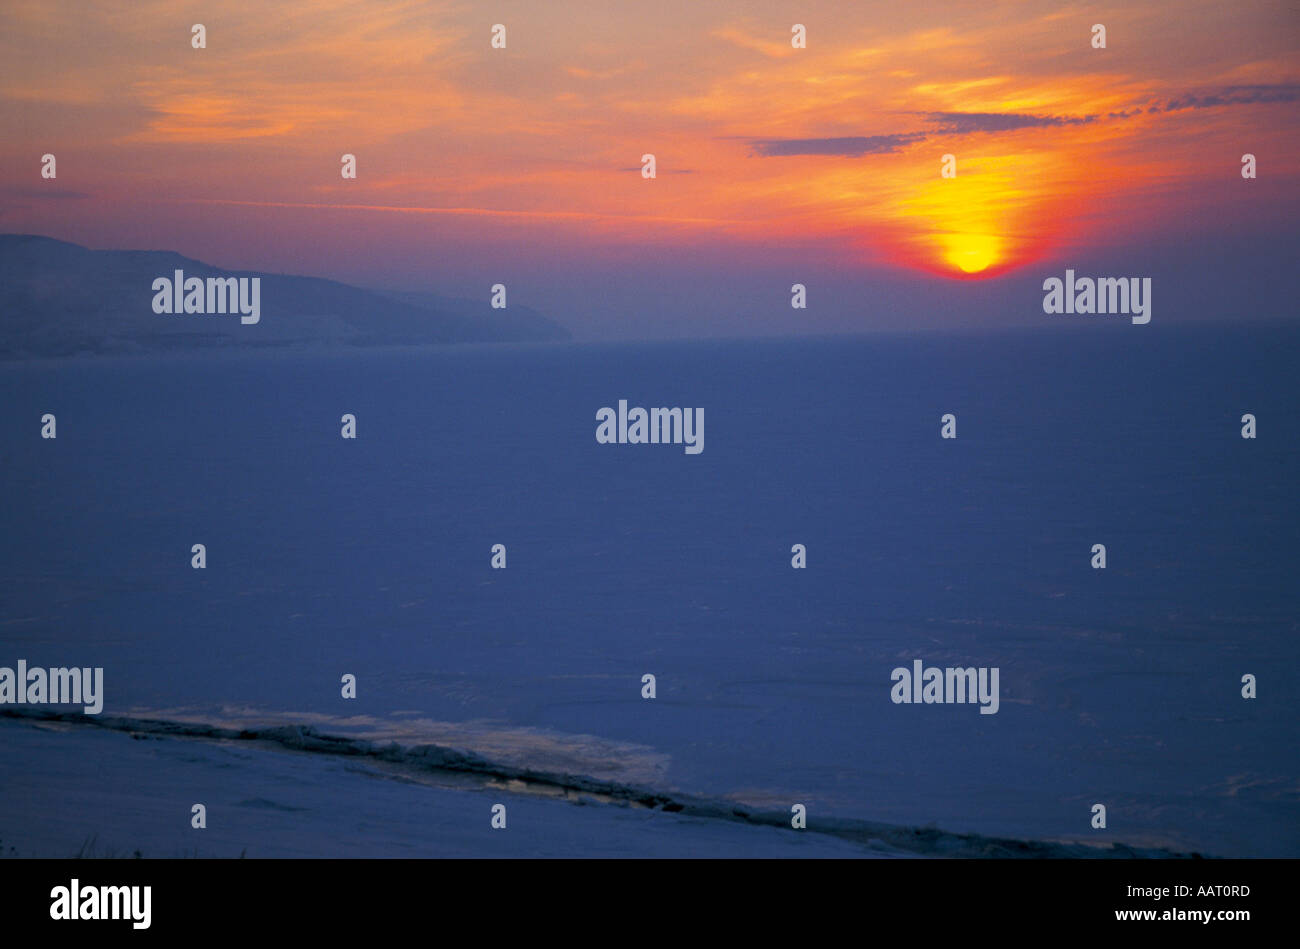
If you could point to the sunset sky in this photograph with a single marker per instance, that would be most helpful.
(775, 165)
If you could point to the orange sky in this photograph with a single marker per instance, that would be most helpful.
(1057, 144)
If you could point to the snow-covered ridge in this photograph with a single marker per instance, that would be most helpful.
(430, 758)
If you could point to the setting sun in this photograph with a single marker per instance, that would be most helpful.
(971, 253)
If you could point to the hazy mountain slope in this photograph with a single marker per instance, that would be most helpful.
(58, 298)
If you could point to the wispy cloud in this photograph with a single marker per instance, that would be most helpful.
(16, 192)
(948, 123)
(964, 123)
(851, 146)
(968, 123)
(776, 49)
(1232, 95)
(474, 212)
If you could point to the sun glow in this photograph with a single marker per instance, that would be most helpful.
(971, 253)
(997, 214)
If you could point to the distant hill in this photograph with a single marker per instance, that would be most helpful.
(60, 299)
